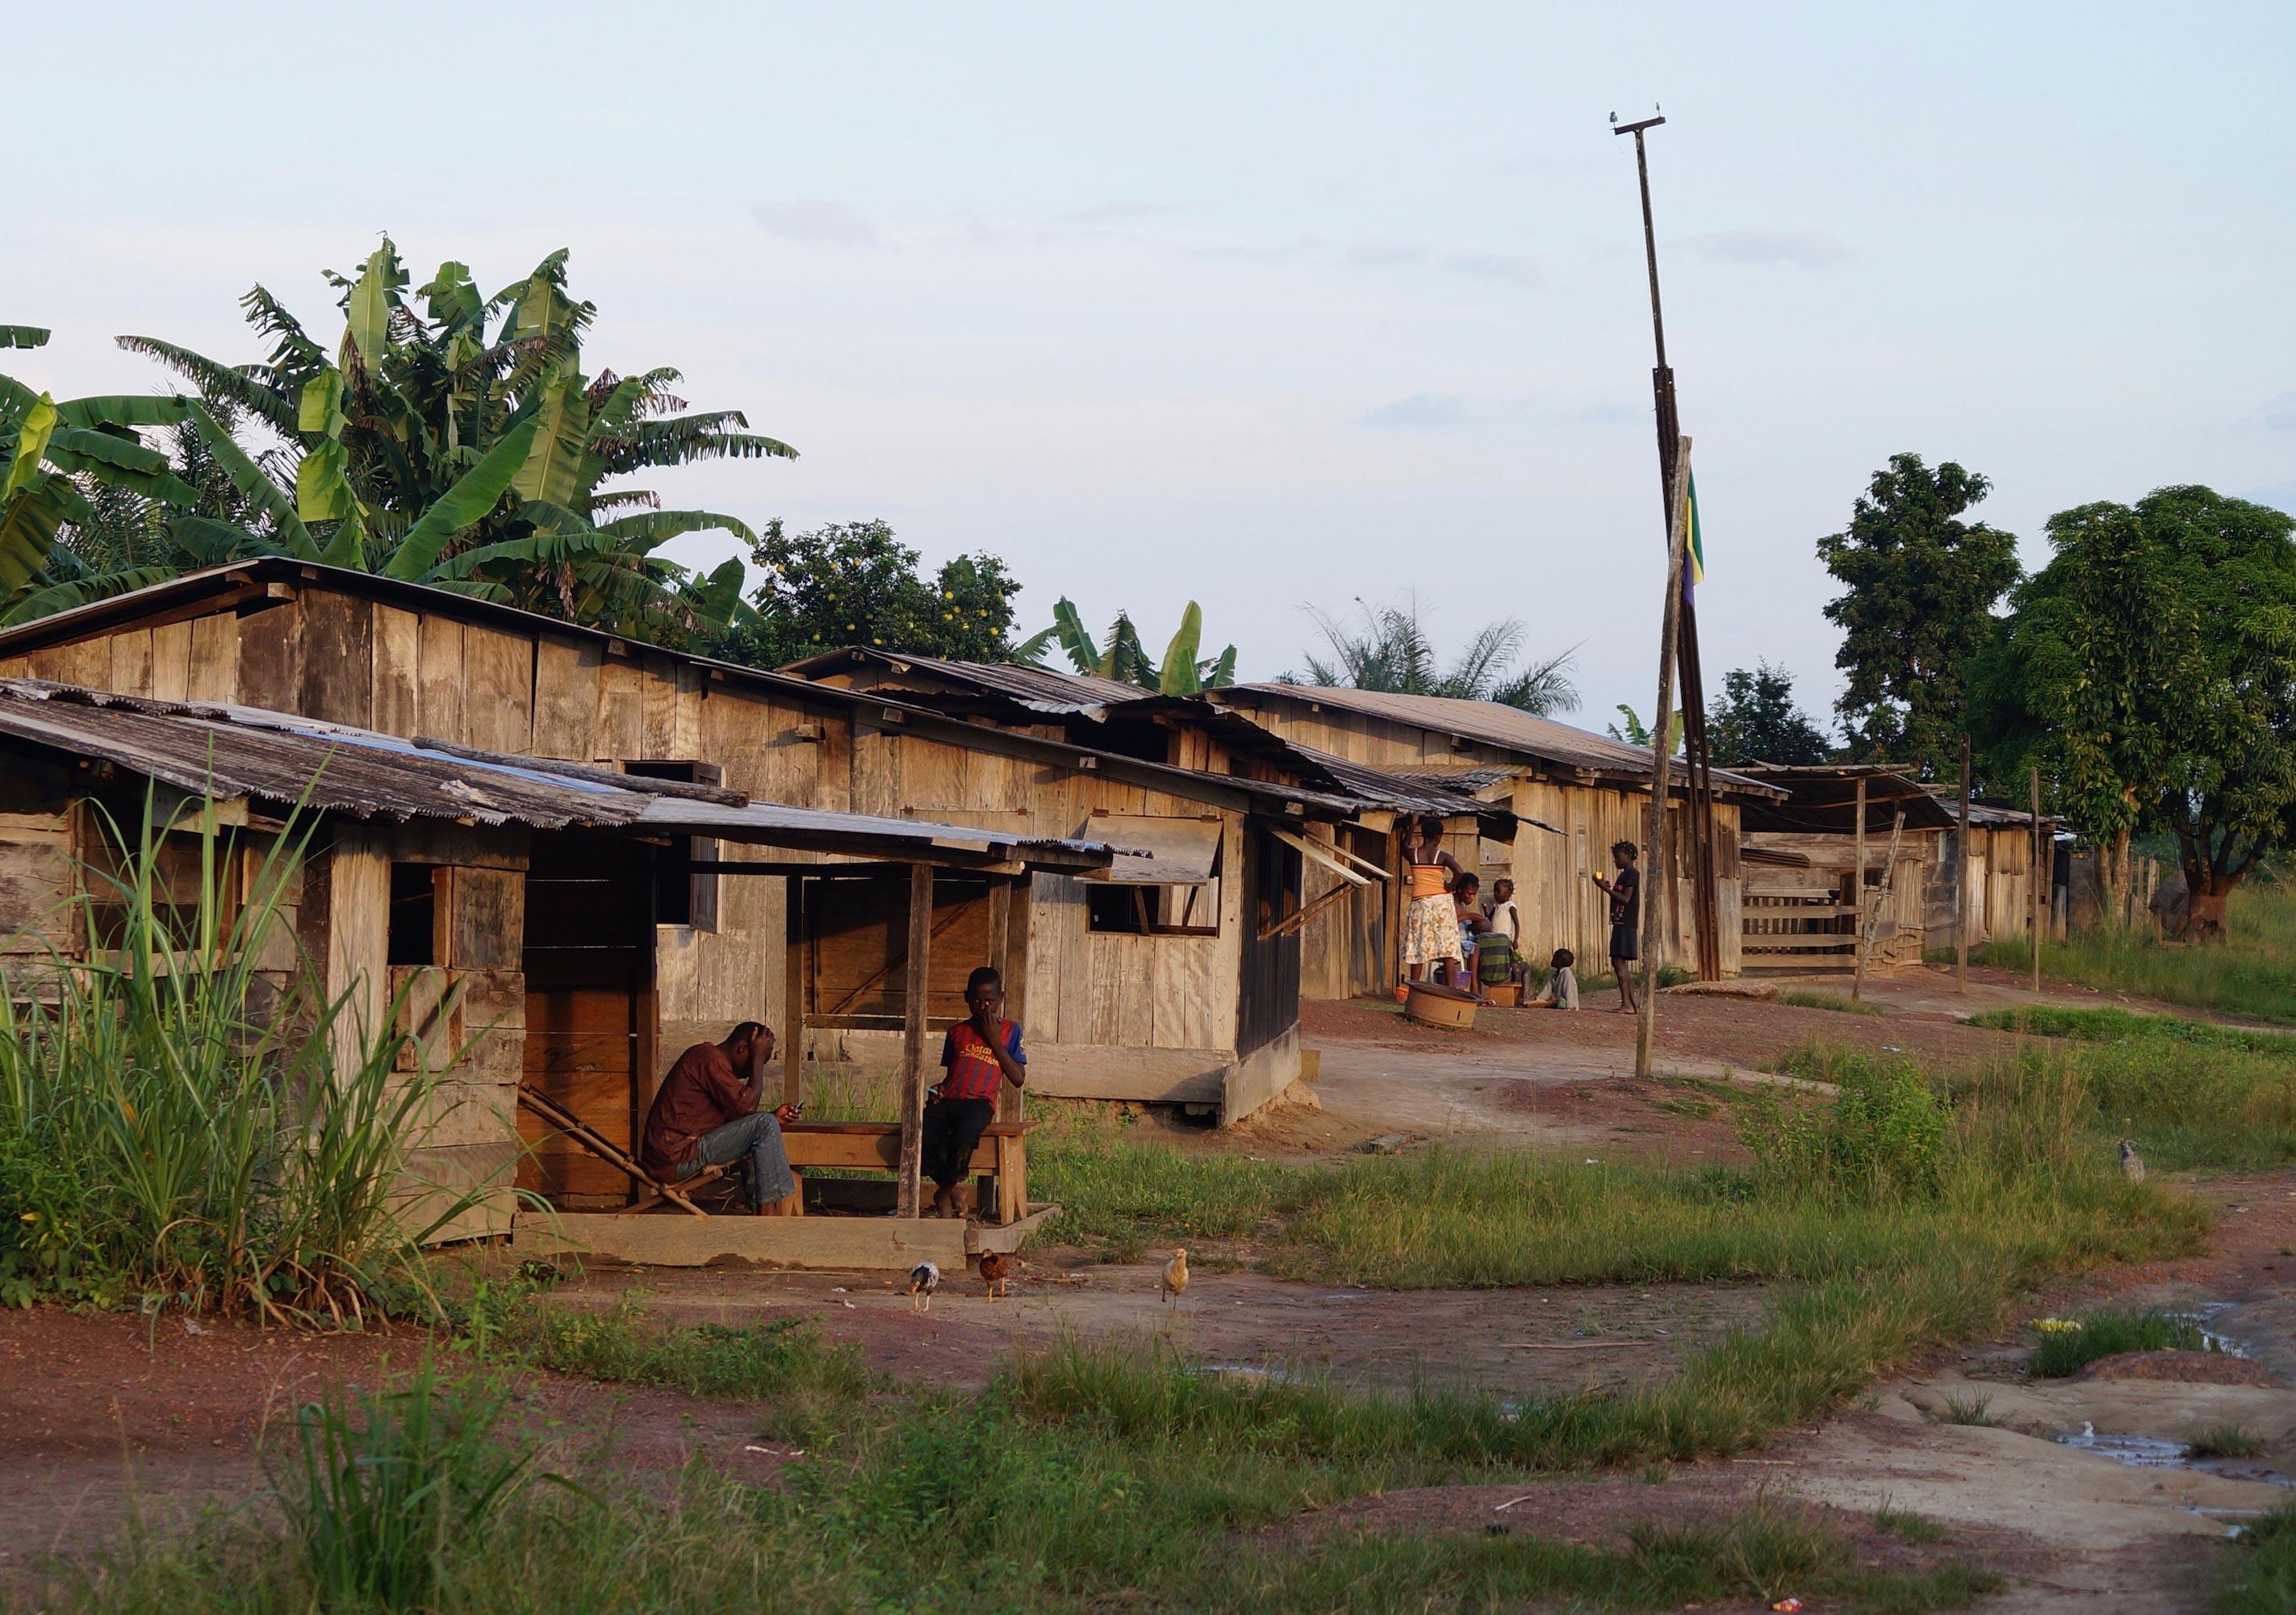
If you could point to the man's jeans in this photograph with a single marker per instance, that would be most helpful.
(757, 1135)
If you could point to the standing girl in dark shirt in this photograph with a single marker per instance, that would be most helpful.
(1625, 895)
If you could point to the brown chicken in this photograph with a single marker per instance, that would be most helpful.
(996, 1273)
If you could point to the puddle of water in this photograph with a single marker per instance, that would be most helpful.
(2139, 1452)
(2201, 1316)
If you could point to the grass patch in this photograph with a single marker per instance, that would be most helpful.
(1803, 999)
(2262, 1578)
(996, 1502)
(782, 1363)
(2110, 1024)
(2108, 1332)
(1906, 1526)
(1121, 1189)
(2252, 974)
(2223, 1441)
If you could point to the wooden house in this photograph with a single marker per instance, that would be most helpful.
(501, 912)
(1803, 855)
(1168, 977)
(1350, 921)
(1575, 793)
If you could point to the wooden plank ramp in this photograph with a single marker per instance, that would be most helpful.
(833, 1244)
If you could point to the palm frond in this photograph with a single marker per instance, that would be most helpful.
(252, 388)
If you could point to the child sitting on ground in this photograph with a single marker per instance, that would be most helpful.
(1562, 988)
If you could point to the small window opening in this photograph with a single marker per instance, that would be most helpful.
(681, 897)
(413, 910)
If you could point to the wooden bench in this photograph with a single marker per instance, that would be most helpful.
(1002, 1152)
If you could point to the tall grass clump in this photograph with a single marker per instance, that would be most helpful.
(385, 1483)
(2252, 973)
(2107, 1332)
(175, 1122)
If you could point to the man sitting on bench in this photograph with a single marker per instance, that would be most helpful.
(978, 1054)
(706, 1114)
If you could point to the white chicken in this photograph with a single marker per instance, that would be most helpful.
(924, 1278)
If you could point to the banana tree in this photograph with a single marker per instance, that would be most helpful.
(433, 399)
(1126, 661)
(71, 465)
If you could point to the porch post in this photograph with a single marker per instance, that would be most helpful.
(793, 992)
(910, 1201)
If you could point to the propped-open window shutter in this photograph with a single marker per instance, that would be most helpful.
(1177, 851)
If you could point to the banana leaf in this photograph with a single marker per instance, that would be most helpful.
(1179, 676)
(463, 505)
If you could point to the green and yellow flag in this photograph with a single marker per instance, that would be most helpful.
(1695, 569)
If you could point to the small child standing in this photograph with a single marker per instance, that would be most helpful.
(1562, 988)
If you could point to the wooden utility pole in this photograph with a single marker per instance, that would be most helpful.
(1697, 763)
(1885, 899)
(1662, 746)
(2038, 881)
(1961, 884)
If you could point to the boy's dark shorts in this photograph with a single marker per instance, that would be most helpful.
(952, 1127)
(1622, 943)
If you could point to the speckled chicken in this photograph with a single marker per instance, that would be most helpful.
(2132, 1165)
(924, 1278)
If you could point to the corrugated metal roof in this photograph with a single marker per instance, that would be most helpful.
(1419, 793)
(1463, 779)
(275, 757)
(1040, 688)
(1489, 722)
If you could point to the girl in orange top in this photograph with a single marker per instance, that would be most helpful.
(1431, 929)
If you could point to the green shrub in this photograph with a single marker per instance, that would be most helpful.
(2106, 1333)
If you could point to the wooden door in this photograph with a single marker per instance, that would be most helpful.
(589, 1006)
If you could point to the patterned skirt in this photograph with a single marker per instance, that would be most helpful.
(1430, 931)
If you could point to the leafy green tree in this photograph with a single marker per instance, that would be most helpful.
(1126, 660)
(453, 440)
(1919, 588)
(2150, 671)
(1391, 650)
(854, 583)
(1755, 720)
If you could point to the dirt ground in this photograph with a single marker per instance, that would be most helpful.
(102, 1415)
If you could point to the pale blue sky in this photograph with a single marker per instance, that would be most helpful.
(1264, 305)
